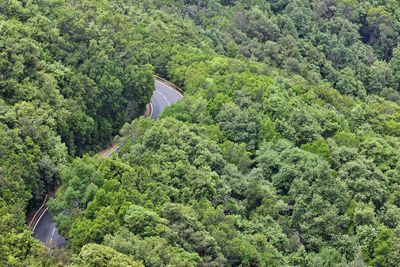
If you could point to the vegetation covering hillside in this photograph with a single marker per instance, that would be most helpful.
(285, 150)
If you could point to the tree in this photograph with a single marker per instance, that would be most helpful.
(240, 126)
(365, 182)
(348, 83)
(395, 66)
(380, 77)
(99, 255)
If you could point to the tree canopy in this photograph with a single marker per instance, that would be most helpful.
(284, 151)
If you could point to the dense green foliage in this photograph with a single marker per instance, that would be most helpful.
(351, 44)
(285, 150)
(68, 82)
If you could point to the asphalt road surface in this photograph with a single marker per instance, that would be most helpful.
(45, 229)
(162, 97)
(46, 232)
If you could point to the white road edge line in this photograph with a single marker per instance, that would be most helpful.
(151, 108)
(170, 87)
(176, 91)
(36, 213)
(163, 96)
(34, 227)
(52, 235)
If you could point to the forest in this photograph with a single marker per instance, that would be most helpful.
(284, 150)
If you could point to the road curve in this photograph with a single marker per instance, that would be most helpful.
(163, 96)
(45, 229)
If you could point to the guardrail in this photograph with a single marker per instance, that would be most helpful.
(174, 86)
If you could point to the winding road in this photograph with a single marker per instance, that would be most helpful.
(163, 96)
(45, 229)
